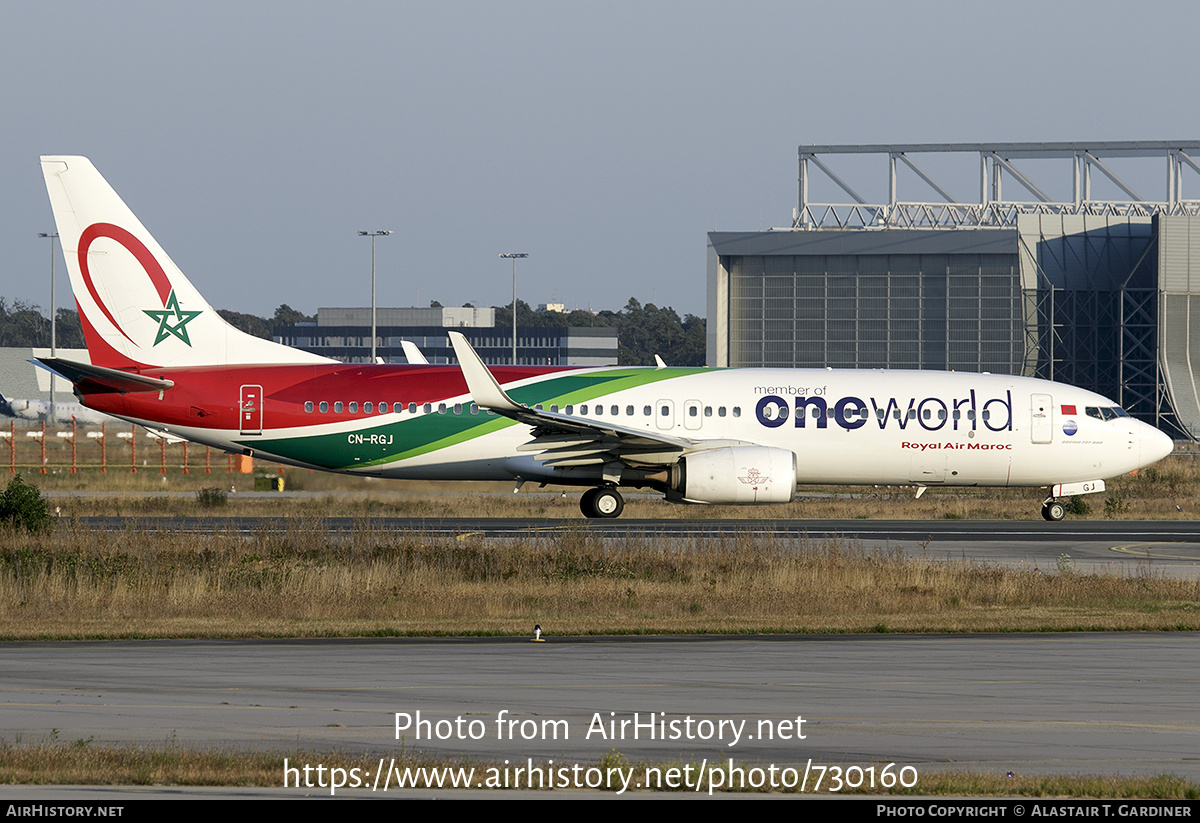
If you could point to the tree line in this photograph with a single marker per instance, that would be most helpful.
(642, 330)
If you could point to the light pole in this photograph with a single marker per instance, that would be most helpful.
(53, 235)
(373, 235)
(513, 256)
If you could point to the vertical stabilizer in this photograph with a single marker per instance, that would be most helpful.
(135, 305)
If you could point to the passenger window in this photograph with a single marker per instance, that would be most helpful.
(720, 411)
(458, 408)
(324, 407)
(367, 407)
(737, 411)
(708, 411)
(583, 409)
(354, 407)
(428, 408)
(692, 411)
(337, 406)
(615, 410)
(665, 411)
(383, 408)
(308, 406)
(629, 411)
(647, 411)
(441, 408)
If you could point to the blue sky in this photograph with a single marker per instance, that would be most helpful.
(605, 139)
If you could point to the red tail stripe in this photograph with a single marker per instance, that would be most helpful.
(135, 247)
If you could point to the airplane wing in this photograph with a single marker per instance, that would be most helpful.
(563, 440)
(162, 434)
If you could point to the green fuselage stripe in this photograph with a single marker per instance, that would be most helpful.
(411, 436)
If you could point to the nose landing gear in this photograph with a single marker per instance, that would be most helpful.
(1053, 511)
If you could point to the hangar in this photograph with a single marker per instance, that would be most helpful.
(1095, 292)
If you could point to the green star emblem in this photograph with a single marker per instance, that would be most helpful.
(164, 316)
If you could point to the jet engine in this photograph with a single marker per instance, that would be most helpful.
(736, 474)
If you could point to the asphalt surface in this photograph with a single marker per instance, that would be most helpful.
(1050, 703)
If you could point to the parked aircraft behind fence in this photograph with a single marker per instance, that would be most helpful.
(161, 357)
(62, 413)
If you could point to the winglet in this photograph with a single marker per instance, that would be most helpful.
(658, 362)
(485, 391)
(413, 354)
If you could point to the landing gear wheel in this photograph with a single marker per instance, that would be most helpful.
(1053, 511)
(587, 503)
(608, 503)
(601, 502)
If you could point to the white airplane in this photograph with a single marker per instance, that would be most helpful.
(63, 413)
(161, 357)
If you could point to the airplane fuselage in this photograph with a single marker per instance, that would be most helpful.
(928, 428)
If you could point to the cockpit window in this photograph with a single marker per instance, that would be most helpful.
(1105, 413)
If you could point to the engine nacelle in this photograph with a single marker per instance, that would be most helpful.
(738, 474)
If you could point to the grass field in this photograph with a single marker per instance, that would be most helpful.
(1167, 490)
(83, 762)
(301, 582)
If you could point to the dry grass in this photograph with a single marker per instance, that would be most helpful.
(75, 583)
(83, 762)
(1167, 490)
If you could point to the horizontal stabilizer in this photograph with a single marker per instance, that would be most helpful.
(89, 379)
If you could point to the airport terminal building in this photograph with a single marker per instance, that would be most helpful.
(345, 334)
(1095, 293)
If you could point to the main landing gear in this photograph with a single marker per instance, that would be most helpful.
(605, 501)
(1053, 511)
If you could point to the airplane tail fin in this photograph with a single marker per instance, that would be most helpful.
(136, 307)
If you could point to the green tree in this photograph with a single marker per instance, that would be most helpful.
(249, 323)
(285, 315)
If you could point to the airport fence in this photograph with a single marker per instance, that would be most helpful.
(41, 448)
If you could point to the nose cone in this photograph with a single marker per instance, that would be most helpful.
(1154, 445)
